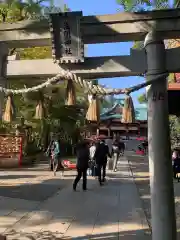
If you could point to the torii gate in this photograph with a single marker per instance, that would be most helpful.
(155, 61)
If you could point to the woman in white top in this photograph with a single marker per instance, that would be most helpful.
(92, 151)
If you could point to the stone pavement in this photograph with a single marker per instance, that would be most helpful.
(140, 169)
(36, 205)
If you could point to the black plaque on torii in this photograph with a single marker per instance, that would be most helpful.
(67, 45)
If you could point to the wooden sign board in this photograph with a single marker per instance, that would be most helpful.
(67, 45)
(9, 144)
(10, 148)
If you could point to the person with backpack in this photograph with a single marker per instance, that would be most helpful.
(83, 156)
(115, 153)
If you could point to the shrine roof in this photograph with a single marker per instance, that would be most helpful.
(116, 112)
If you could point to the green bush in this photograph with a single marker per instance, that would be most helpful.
(31, 149)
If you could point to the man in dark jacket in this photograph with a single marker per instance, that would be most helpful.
(102, 151)
(82, 153)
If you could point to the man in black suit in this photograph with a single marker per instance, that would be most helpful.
(100, 156)
(82, 153)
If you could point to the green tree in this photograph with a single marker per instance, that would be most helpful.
(145, 5)
(174, 123)
(58, 116)
(142, 98)
(138, 6)
(18, 10)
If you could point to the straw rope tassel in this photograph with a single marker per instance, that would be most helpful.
(93, 113)
(9, 113)
(128, 113)
(39, 111)
(70, 93)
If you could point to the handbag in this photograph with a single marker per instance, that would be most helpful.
(94, 171)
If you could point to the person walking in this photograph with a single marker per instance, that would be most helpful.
(122, 146)
(116, 153)
(49, 154)
(92, 166)
(54, 152)
(55, 155)
(100, 156)
(176, 164)
(107, 154)
(82, 153)
(109, 142)
(145, 146)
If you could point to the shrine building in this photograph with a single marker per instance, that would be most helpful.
(174, 95)
(110, 122)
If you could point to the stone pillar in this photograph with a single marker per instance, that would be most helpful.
(160, 164)
(3, 70)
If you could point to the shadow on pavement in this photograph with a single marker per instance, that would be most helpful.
(34, 191)
(9, 176)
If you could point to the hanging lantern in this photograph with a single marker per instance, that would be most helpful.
(70, 93)
(9, 113)
(93, 113)
(39, 111)
(128, 113)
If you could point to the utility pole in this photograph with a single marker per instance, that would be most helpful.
(160, 166)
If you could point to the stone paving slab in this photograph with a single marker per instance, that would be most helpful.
(13, 210)
(110, 212)
(32, 185)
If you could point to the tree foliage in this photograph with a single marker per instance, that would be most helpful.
(18, 10)
(145, 5)
(142, 98)
(58, 118)
(174, 123)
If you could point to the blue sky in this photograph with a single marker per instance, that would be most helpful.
(98, 7)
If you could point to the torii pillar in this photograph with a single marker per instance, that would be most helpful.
(160, 165)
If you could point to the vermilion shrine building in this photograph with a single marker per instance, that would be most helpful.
(110, 122)
(174, 95)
